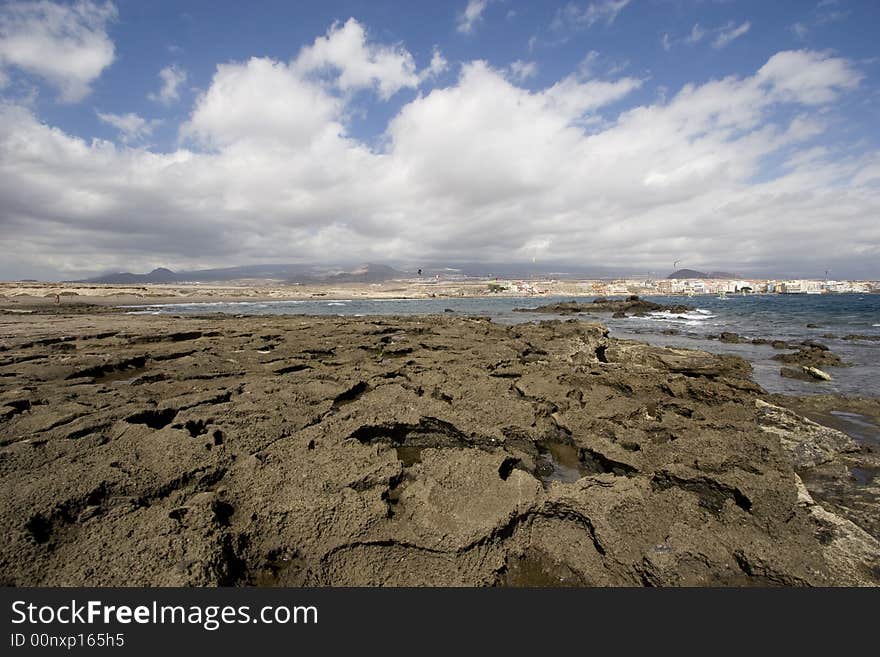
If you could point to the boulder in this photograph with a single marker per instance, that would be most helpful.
(806, 443)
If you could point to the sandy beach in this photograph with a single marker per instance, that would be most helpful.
(294, 450)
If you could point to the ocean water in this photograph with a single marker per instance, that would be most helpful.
(776, 317)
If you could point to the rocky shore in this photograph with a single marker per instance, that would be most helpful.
(291, 450)
(632, 305)
(808, 356)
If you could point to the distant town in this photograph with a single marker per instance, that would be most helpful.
(687, 287)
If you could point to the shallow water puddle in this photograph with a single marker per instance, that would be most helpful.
(538, 571)
(560, 462)
(859, 427)
(863, 476)
(409, 455)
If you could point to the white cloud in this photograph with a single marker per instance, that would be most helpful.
(588, 63)
(577, 98)
(357, 63)
(822, 15)
(131, 127)
(696, 35)
(574, 16)
(481, 169)
(823, 18)
(437, 66)
(267, 102)
(65, 44)
(808, 77)
(724, 35)
(471, 15)
(618, 66)
(521, 70)
(172, 77)
(263, 101)
(729, 33)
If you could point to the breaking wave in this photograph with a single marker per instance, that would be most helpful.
(694, 317)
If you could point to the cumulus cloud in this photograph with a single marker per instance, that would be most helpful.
(521, 70)
(358, 63)
(172, 77)
(65, 44)
(808, 77)
(131, 127)
(294, 104)
(730, 33)
(577, 98)
(480, 169)
(263, 101)
(471, 15)
(437, 66)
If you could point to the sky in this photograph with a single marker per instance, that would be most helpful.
(620, 135)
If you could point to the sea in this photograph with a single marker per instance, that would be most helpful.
(826, 318)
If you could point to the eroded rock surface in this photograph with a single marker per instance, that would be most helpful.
(807, 443)
(619, 308)
(376, 451)
(848, 484)
(811, 354)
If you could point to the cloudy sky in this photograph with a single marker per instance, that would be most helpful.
(621, 134)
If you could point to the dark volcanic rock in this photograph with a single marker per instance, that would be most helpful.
(848, 485)
(776, 344)
(631, 305)
(811, 354)
(398, 451)
(854, 336)
(798, 373)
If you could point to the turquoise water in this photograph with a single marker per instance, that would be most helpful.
(782, 317)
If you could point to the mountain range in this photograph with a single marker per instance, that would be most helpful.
(368, 273)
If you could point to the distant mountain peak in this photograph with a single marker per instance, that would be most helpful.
(369, 272)
(366, 273)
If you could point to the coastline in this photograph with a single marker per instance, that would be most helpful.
(296, 450)
(42, 294)
(35, 294)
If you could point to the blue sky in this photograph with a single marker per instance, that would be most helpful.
(737, 135)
